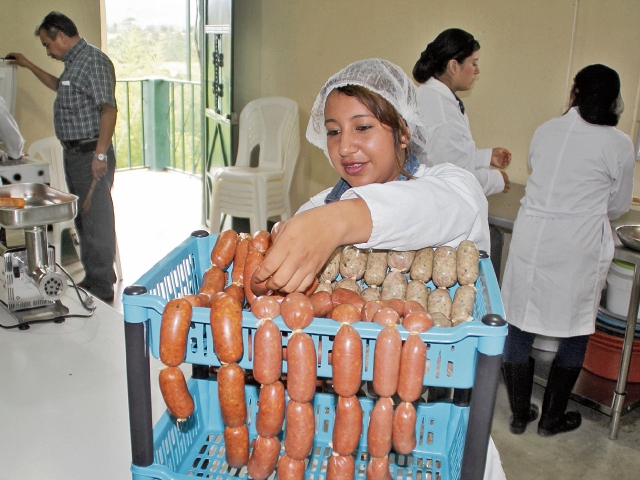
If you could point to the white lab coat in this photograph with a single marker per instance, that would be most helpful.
(449, 136)
(9, 133)
(562, 245)
(442, 206)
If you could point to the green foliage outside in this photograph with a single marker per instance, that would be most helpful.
(155, 51)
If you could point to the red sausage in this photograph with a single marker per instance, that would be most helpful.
(380, 428)
(378, 469)
(175, 392)
(411, 306)
(386, 316)
(224, 249)
(347, 361)
(239, 259)
(212, 281)
(264, 457)
(369, 310)
(321, 303)
(236, 291)
(290, 469)
(396, 304)
(253, 261)
(174, 327)
(347, 425)
(341, 468)
(236, 444)
(261, 241)
(301, 368)
(344, 295)
(267, 347)
(233, 406)
(418, 322)
(196, 300)
(345, 313)
(412, 364)
(298, 438)
(404, 428)
(297, 311)
(271, 410)
(226, 326)
(265, 307)
(386, 362)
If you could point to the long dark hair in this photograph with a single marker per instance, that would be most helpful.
(595, 92)
(453, 43)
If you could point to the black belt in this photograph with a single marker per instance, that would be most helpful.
(80, 146)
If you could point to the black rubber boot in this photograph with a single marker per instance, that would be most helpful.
(554, 419)
(518, 377)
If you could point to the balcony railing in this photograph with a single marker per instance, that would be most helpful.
(158, 124)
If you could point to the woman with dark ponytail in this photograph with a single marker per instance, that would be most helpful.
(448, 65)
(562, 245)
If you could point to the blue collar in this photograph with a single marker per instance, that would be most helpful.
(410, 166)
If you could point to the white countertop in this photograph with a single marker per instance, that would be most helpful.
(63, 398)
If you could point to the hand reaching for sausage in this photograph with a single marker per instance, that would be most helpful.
(500, 157)
(305, 242)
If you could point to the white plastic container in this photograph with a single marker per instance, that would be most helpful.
(619, 282)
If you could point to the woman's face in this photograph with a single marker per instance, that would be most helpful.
(465, 73)
(361, 148)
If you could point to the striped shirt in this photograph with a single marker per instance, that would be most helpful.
(88, 81)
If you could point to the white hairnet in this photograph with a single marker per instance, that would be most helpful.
(379, 76)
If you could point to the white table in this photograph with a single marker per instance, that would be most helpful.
(63, 398)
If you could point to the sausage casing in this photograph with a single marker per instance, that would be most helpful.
(411, 306)
(264, 457)
(297, 311)
(289, 468)
(462, 307)
(371, 294)
(331, 269)
(301, 368)
(345, 313)
(417, 292)
(233, 406)
(369, 310)
(175, 392)
(445, 272)
(196, 300)
(344, 295)
(260, 240)
(386, 362)
(404, 428)
(226, 327)
(212, 281)
(378, 469)
(239, 259)
(224, 249)
(324, 287)
(347, 361)
(379, 435)
(236, 444)
(386, 316)
(236, 291)
(440, 320)
(353, 262)
(322, 303)
(422, 266)
(400, 261)
(467, 257)
(174, 329)
(341, 467)
(412, 365)
(349, 284)
(440, 302)
(418, 321)
(347, 425)
(394, 286)
(267, 348)
(265, 307)
(298, 438)
(376, 269)
(271, 412)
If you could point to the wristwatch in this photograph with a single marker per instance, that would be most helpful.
(100, 156)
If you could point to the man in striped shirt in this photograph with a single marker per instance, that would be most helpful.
(84, 113)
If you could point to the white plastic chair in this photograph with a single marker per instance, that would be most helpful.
(50, 150)
(261, 192)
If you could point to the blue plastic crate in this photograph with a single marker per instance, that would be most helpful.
(451, 363)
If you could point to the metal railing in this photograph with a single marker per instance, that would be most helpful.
(159, 124)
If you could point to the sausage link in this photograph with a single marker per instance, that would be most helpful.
(371, 294)
(324, 287)
(212, 281)
(298, 438)
(349, 284)
(347, 425)
(236, 291)
(369, 310)
(440, 302)
(267, 348)
(196, 300)
(260, 240)
(341, 467)
(271, 410)
(445, 273)
(380, 428)
(224, 249)
(301, 367)
(394, 286)
(331, 269)
(419, 321)
(462, 307)
(265, 307)
(417, 292)
(343, 295)
(411, 306)
(386, 316)
(378, 469)
(174, 329)
(240, 258)
(347, 361)
(467, 257)
(226, 327)
(175, 392)
(264, 457)
(400, 261)
(236, 445)
(412, 365)
(440, 320)
(396, 304)
(297, 311)
(251, 264)
(353, 262)
(289, 468)
(345, 313)
(404, 428)
(422, 265)
(321, 303)
(376, 269)
(233, 406)
(386, 362)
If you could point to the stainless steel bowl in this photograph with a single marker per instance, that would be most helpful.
(629, 236)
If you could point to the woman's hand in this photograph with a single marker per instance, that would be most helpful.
(500, 157)
(304, 243)
(507, 183)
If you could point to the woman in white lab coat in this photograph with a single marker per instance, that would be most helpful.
(562, 245)
(449, 65)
